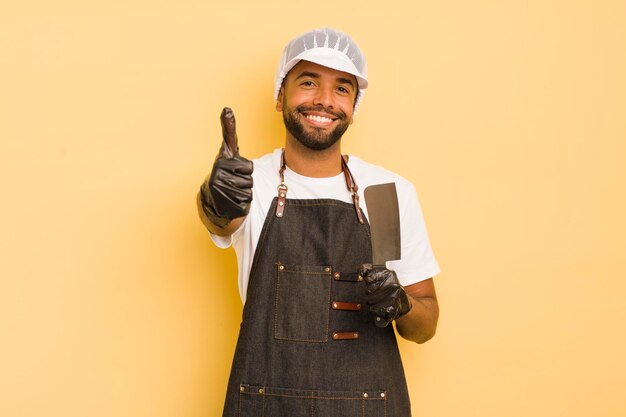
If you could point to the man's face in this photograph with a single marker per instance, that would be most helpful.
(317, 104)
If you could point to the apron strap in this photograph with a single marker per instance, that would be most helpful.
(282, 188)
(350, 183)
(352, 187)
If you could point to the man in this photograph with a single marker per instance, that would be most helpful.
(314, 338)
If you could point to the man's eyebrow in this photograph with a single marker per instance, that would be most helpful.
(342, 80)
(308, 74)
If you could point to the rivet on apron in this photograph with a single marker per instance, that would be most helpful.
(242, 388)
(360, 278)
(261, 391)
(365, 395)
(281, 267)
(327, 269)
(337, 275)
(382, 394)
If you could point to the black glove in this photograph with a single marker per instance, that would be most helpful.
(227, 191)
(384, 294)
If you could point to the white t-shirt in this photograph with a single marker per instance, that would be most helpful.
(418, 262)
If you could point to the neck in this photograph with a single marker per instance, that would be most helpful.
(313, 163)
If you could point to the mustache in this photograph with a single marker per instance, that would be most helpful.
(338, 114)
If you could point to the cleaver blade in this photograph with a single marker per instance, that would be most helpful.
(384, 219)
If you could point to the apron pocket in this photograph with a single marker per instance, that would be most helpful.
(302, 303)
(258, 401)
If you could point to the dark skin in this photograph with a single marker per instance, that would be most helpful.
(309, 84)
(420, 324)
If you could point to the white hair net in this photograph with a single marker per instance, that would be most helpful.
(327, 47)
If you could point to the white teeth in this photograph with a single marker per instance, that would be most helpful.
(319, 119)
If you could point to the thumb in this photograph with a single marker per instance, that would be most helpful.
(230, 148)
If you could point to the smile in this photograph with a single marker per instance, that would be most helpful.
(317, 119)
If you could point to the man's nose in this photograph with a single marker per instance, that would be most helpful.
(324, 96)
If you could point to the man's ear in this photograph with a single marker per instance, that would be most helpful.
(279, 99)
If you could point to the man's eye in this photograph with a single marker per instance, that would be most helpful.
(308, 83)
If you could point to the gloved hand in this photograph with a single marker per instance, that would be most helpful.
(227, 192)
(385, 296)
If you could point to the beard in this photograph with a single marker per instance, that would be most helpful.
(314, 138)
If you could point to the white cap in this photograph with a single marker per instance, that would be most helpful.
(327, 47)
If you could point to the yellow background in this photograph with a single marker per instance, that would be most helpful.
(509, 117)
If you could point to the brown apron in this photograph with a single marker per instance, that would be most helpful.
(308, 346)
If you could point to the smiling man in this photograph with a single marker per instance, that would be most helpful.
(315, 338)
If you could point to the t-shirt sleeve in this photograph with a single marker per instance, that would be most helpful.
(224, 242)
(221, 242)
(418, 262)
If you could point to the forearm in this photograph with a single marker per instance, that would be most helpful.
(419, 324)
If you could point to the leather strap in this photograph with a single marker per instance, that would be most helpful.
(347, 276)
(341, 305)
(352, 187)
(345, 335)
(282, 188)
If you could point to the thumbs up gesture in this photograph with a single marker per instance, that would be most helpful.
(227, 192)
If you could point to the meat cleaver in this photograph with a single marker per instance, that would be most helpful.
(384, 219)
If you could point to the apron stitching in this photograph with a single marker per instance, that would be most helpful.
(301, 340)
(385, 406)
(276, 306)
(330, 286)
(239, 407)
(316, 397)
